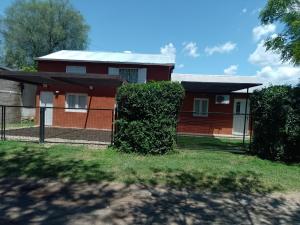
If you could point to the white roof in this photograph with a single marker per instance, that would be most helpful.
(217, 79)
(214, 78)
(113, 57)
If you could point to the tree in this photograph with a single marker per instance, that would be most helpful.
(287, 42)
(32, 28)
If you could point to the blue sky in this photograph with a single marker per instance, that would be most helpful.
(210, 37)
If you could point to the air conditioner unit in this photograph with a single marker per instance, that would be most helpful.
(222, 99)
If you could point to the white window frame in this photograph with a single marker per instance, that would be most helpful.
(194, 105)
(76, 103)
(76, 69)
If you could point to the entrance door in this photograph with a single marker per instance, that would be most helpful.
(239, 117)
(47, 101)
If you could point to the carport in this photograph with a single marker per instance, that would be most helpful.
(38, 130)
(219, 85)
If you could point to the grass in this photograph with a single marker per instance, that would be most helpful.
(199, 163)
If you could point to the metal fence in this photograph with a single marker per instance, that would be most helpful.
(58, 125)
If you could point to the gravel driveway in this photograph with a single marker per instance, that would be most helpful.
(52, 202)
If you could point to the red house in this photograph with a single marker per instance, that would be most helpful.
(91, 106)
(79, 89)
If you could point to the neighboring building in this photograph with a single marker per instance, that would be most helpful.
(17, 94)
(10, 94)
(76, 82)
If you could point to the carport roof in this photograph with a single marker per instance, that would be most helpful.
(40, 78)
(215, 83)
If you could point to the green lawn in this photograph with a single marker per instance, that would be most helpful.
(200, 163)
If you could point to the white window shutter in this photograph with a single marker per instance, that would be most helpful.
(142, 75)
(113, 71)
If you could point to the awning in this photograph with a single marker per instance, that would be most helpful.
(216, 87)
(54, 78)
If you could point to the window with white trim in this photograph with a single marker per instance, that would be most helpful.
(129, 74)
(76, 69)
(76, 102)
(200, 107)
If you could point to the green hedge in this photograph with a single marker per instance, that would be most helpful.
(276, 123)
(147, 117)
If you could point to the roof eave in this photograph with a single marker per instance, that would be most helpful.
(108, 62)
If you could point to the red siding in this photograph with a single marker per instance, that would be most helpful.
(103, 98)
(218, 122)
(153, 72)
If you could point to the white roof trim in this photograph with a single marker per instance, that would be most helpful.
(110, 57)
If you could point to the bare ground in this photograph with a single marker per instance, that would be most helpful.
(24, 201)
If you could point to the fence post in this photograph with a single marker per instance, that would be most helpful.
(245, 118)
(1, 122)
(112, 125)
(42, 124)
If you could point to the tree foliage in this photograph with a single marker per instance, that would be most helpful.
(276, 123)
(287, 42)
(147, 117)
(32, 28)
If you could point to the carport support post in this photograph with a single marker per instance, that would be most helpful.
(245, 117)
(42, 124)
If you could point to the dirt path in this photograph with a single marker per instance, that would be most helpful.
(51, 202)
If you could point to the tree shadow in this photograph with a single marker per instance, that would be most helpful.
(34, 163)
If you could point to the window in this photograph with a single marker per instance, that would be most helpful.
(200, 107)
(131, 75)
(76, 69)
(238, 108)
(76, 102)
(222, 99)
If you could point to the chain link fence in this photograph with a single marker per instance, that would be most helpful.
(58, 125)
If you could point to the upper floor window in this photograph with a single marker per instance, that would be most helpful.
(76, 69)
(131, 75)
(200, 107)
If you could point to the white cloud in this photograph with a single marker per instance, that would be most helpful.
(272, 69)
(262, 57)
(180, 66)
(168, 49)
(127, 51)
(262, 31)
(286, 74)
(244, 10)
(231, 70)
(225, 48)
(191, 49)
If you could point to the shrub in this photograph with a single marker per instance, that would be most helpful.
(276, 123)
(147, 117)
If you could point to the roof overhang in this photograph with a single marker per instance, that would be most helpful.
(54, 78)
(216, 87)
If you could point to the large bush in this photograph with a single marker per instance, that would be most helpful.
(147, 117)
(276, 123)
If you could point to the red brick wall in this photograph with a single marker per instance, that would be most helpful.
(219, 119)
(153, 72)
(103, 98)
